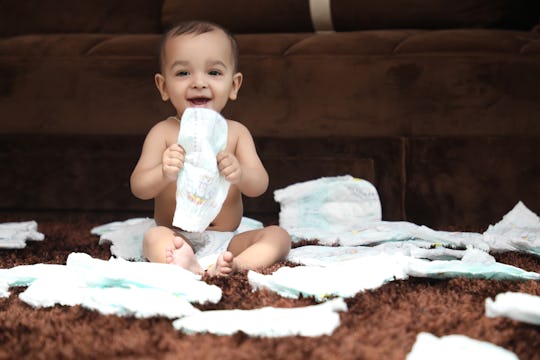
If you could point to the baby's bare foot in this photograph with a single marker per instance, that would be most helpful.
(223, 266)
(182, 255)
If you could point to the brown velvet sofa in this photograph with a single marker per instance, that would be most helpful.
(436, 102)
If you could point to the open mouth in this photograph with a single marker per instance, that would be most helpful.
(199, 101)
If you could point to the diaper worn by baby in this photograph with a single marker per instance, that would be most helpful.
(201, 190)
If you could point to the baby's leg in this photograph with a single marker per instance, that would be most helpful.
(163, 245)
(254, 249)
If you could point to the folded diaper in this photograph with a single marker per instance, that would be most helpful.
(330, 204)
(13, 235)
(316, 320)
(516, 306)
(451, 347)
(201, 190)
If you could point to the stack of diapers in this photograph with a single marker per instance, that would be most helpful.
(13, 235)
(201, 190)
(328, 204)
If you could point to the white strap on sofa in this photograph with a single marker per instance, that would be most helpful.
(321, 15)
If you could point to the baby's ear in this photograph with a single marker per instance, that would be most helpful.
(237, 82)
(160, 84)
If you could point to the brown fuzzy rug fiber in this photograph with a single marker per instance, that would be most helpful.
(380, 324)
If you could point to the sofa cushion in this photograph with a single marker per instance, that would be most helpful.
(363, 83)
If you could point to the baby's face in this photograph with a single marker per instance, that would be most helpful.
(198, 71)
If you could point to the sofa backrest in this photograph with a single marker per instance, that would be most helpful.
(271, 16)
(20, 17)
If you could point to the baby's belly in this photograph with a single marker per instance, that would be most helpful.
(228, 219)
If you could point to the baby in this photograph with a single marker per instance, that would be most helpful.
(199, 69)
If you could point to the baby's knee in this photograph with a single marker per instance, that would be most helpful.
(155, 235)
(281, 236)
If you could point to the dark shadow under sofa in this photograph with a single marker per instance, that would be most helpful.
(435, 102)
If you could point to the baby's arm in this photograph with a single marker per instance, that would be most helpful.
(158, 165)
(243, 168)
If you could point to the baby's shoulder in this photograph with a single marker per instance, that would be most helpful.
(165, 130)
(166, 126)
(236, 128)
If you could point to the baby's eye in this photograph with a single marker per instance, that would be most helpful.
(214, 73)
(182, 73)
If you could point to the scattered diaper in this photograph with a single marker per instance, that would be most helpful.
(334, 279)
(201, 190)
(126, 238)
(481, 269)
(346, 211)
(328, 275)
(4, 289)
(24, 275)
(516, 306)
(325, 255)
(13, 235)
(315, 320)
(126, 274)
(138, 302)
(116, 286)
(329, 204)
(519, 230)
(451, 347)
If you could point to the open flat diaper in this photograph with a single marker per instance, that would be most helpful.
(201, 190)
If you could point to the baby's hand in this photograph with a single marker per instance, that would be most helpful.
(173, 161)
(229, 167)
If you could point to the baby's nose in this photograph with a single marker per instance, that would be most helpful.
(199, 82)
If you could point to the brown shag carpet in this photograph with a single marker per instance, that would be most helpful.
(380, 324)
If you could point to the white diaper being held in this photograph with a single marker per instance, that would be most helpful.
(201, 189)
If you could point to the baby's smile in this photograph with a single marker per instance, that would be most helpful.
(199, 101)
